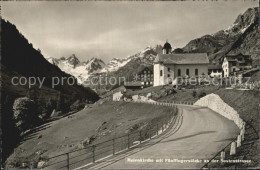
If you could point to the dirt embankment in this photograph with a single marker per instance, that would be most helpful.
(246, 103)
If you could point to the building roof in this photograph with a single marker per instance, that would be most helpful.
(235, 56)
(184, 58)
(133, 83)
(167, 46)
(141, 69)
(214, 67)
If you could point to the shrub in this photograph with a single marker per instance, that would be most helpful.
(77, 105)
(194, 93)
(25, 113)
(201, 94)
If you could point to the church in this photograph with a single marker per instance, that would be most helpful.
(167, 66)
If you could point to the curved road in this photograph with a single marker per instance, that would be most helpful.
(200, 134)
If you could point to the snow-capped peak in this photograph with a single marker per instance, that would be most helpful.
(81, 70)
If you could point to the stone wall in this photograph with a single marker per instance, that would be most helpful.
(139, 98)
(215, 103)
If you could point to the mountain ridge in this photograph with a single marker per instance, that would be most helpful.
(224, 42)
(240, 37)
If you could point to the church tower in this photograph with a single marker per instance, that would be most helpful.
(167, 48)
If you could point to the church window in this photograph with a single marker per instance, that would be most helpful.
(187, 72)
(196, 72)
(160, 72)
(179, 72)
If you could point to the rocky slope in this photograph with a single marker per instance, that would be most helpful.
(87, 69)
(20, 59)
(240, 37)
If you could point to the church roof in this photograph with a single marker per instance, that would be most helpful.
(214, 67)
(184, 58)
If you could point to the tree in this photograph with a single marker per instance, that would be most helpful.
(10, 134)
(39, 50)
(25, 113)
(60, 103)
(178, 50)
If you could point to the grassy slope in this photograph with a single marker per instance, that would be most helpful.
(66, 134)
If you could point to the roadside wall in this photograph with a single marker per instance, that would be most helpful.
(215, 103)
(137, 98)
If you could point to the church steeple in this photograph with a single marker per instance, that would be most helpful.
(167, 48)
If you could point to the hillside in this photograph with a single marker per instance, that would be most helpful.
(241, 37)
(20, 59)
(103, 122)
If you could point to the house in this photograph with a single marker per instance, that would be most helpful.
(215, 70)
(146, 76)
(168, 66)
(142, 79)
(133, 85)
(232, 64)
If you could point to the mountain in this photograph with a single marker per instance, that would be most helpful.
(125, 69)
(147, 56)
(81, 70)
(86, 69)
(240, 37)
(20, 60)
(19, 56)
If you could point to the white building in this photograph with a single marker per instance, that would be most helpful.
(168, 66)
(233, 64)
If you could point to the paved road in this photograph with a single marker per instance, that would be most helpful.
(200, 134)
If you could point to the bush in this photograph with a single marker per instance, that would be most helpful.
(194, 93)
(201, 94)
(25, 113)
(77, 105)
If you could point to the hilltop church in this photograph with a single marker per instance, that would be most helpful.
(168, 65)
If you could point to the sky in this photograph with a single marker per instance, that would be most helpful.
(116, 29)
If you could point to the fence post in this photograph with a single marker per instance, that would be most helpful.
(162, 126)
(140, 133)
(233, 148)
(239, 140)
(222, 155)
(113, 146)
(242, 133)
(128, 140)
(68, 161)
(157, 131)
(93, 153)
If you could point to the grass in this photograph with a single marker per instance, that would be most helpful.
(103, 121)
